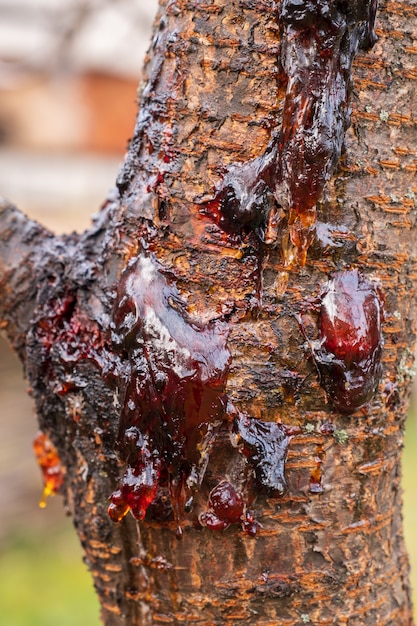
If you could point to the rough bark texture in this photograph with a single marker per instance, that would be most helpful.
(330, 549)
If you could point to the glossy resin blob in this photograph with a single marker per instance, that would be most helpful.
(172, 378)
(348, 353)
(225, 506)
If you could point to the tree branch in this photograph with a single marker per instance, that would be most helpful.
(22, 248)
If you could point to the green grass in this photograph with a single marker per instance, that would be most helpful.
(409, 483)
(43, 582)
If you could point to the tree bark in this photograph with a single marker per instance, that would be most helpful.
(185, 341)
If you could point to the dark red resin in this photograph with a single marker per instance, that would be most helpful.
(66, 336)
(350, 342)
(225, 507)
(265, 444)
(319, 41)
(250, 525)
(171, 380)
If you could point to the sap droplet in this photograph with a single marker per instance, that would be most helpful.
(50, 464)
(225, 507)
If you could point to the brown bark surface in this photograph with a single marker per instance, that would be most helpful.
(212, 97)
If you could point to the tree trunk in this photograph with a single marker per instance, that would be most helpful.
(209, 354)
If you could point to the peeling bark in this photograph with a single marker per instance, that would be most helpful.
(164, 349)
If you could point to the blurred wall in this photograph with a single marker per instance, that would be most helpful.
(69, 68)
(69, 71)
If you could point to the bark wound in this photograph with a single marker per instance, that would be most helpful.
(61, 338)
(279, 190)
(171, 377)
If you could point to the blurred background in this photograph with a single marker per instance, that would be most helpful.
(69, 71)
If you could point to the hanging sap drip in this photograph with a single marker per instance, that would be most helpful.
(50, 464)
(277, 193)
(171, 380)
